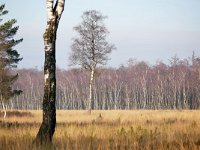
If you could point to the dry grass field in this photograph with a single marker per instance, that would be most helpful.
(106, 130)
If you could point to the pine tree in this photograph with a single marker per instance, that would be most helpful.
(8, 58)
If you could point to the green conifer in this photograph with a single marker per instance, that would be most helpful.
(9, 57)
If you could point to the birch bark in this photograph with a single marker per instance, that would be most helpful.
(47, 128)
(91, 89)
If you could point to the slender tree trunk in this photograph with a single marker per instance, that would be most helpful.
(48, 125)
(128, 98)
(4, 110)
(91, 90)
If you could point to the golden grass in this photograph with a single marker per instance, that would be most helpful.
(113, 129)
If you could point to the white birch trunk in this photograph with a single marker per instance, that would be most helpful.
(91, 89)
(4, 110)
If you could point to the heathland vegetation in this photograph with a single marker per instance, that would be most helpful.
(105, 130)
(126, 102)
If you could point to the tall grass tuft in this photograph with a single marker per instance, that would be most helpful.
(105, 130)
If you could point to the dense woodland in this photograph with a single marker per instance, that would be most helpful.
(137, 85)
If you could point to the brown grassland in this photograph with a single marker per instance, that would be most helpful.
(106, 130)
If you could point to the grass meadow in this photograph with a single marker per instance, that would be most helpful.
(106, 130)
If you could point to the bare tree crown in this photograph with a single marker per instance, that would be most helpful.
(90, 47)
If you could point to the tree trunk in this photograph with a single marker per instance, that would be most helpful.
(91, 90)
(48, 125)
(4, 110)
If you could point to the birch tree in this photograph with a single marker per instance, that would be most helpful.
(54, 11)
(90, 48)
(136, 86)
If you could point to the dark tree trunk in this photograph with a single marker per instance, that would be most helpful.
(47, 128)
(48, 125)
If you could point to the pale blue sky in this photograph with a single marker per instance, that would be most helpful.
(148, 30)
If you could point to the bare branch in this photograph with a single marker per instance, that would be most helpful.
(60, 7)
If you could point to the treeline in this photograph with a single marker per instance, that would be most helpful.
(137, 85)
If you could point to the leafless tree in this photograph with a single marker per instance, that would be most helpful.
(90, 48)
(137, 85)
